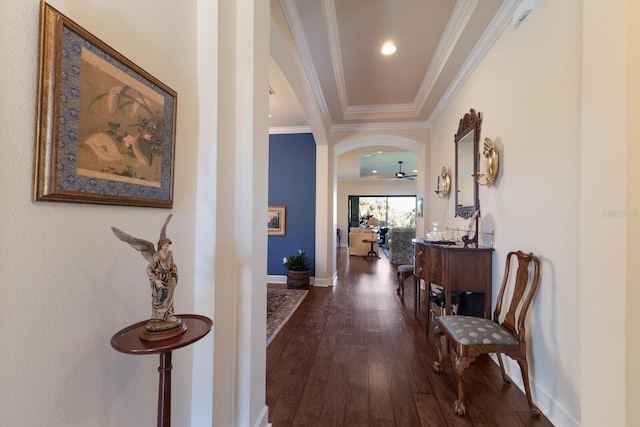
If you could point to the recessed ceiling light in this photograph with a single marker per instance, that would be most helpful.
(388, 48)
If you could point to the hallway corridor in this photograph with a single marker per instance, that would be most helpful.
(354, 355)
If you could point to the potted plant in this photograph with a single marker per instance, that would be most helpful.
(298, 270)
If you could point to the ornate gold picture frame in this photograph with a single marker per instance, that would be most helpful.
(105, 128)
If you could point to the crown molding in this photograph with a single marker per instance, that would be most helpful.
(292, 15)
(377, 127)
(289, 129)
(486, 41)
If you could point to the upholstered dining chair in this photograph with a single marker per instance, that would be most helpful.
(470, 337)
(403, 272)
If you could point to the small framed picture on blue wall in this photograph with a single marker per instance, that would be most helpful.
(276, 221)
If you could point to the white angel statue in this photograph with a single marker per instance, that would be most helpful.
(163, 277)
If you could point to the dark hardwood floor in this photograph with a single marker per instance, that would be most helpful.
(354, 355)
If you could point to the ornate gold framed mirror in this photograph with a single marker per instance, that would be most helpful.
(466, 140)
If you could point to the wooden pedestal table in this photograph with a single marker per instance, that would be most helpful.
(128, 341)
(371, 253)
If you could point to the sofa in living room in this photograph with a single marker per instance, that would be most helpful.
(400, 247)
(356, 244)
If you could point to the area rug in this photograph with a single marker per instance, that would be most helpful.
(281, 304)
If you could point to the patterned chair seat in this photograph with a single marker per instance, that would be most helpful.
(476, 330)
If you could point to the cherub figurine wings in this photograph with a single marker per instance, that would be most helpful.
(163, 277)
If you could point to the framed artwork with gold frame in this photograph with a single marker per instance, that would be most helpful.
(105, 128)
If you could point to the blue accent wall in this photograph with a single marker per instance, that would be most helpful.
(292, 184)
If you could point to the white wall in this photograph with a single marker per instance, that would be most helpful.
(241, 202)
(528, 90)
(68, 283)
(604, 217)
(554, 94)
(632, 372)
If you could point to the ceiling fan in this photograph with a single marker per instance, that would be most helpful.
(402, 175)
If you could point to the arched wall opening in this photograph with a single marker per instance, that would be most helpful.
(345, 187)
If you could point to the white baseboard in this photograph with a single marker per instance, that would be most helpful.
(542, 399)
(263, 418)
(326, 283)
(276, 279)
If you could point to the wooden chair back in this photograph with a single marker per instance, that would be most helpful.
(525, 285)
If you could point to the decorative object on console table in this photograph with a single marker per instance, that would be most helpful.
(473, 225)
(105, 128)
(455, 233)
(276, 216)
(298, 270)
(444, 184)
(162, 273)
(492, 164)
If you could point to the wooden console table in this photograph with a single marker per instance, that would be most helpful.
(128, 341)
(453, 267)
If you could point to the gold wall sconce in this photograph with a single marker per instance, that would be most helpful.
(491, 162)
(444, 183)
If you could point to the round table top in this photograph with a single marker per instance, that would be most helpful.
(369, 241)
(128, 340)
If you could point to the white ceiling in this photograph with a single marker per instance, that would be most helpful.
(327, 69)
(361, 163)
